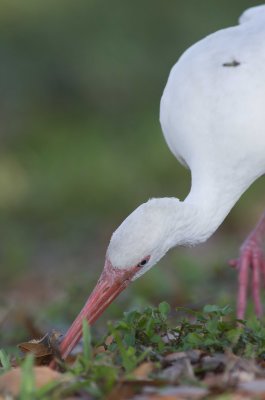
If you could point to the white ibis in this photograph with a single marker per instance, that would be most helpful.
(213, 118)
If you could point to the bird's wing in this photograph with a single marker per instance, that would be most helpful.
(252, 13)
(212, 108)
(165, 121)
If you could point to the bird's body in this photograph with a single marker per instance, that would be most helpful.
(213, 119)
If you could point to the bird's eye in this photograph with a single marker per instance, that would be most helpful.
(143, 262)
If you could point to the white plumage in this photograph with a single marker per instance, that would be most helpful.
(213, 119)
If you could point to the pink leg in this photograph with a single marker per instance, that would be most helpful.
(243, 285)
(256, 268)
(251, 256)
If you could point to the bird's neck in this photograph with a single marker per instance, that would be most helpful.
(207, 205)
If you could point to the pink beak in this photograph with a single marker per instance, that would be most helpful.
(110, 284)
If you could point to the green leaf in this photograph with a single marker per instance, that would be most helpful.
(156, 339)
(164, 308)
(45, 390)
(194, 339)
(211, 308)
(5, 361)
(211, 326)
(226, 310)
(128, 361)
(234, 334)
(27, 386)
(86, 340)
(129, 339)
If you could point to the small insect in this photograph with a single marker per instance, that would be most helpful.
(233, 63)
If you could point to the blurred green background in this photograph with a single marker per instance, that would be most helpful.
(81, 147)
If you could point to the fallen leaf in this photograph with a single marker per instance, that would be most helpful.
(174, 393)
(158, 397)
(239, 370)
(143, 370)
(39, 347)
(235, 396)
(109, 340)
(169, 337)
(217, 382)
(193, 355)
(181, 369)
(44, 349)
(125, 389)
(98, 350)
(10, 382)
(255, 387)
(215, 363)
(122, 391)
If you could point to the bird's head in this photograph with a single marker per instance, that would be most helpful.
(138, 243)
(142, 239)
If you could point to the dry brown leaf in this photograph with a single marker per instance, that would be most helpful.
(10, 381)
(109, 340)
(158, 397)
(254, 388)
(214, 363)
(143, 370)
(239, 370)
(125, 389)
(104, 347)
(38, 347)
(180, 369)
(44, 349)
(98, 350)
(193, 355)
(174, 393)
(240, 396)
(122, 391)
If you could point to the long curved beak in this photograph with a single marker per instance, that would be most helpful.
(110, 284)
